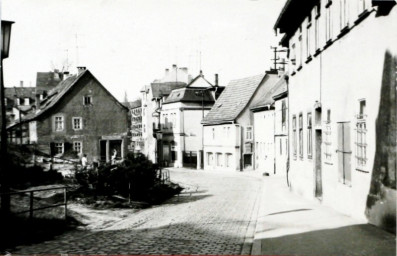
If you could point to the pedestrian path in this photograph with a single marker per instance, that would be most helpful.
(288, 224)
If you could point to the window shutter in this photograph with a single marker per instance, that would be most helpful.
(52, 149)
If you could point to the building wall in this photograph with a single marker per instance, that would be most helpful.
(222, 142)
(281, 137)
(264, 141)
(103, 118)
(183, 130)
(345, 72)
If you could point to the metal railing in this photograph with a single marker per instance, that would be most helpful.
(31, 201)
(163, 175)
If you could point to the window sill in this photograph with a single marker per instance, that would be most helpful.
(318, 51)
(328, 163)
(328, 44)
(362, 16)
(309, 58)
(361, 170)
(344, 31)
(328, 4)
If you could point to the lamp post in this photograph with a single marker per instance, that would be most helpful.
(5, 48)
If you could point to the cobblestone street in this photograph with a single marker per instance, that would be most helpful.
(215, 214)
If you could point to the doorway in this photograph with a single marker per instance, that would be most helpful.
(318, 172)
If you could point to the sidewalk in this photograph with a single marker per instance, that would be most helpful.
(288, 224)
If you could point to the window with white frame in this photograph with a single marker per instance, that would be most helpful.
(309, 136)
(328, 21)
(77, 123)
(300, 46)
(87, 100)
(361, 134)
(344, 15)
(293, 57)
(300, 135)
(248, 133)
(317, 27)
(78, 147)
(174, 120)
(361, 6)
(327, 138)
(58, 147)
(308, 36)
(294, 137)
(58, 123)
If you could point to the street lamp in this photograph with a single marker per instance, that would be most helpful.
(5, 48)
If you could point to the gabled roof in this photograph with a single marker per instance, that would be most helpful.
(190, 95)
(200, 81)
(57, 93)
(282, 88)
(164, 89)
(233, 100)
(273, 87)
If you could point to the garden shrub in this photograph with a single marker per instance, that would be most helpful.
(135, 177)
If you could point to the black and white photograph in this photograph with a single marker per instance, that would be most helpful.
(198, 127)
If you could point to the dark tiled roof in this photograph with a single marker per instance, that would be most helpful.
(48, 80)
(20, 92)
(233, 100)
(274, 86)
(164, 89)
(133, 104)
(57, 93)
(282, 87)
(189, 95)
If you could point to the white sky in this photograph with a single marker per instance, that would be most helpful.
(128, 43)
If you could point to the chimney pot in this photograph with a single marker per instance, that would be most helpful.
(21, 83)
(80, 70)
(216, 79)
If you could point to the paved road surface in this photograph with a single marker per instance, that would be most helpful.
(216, 214)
